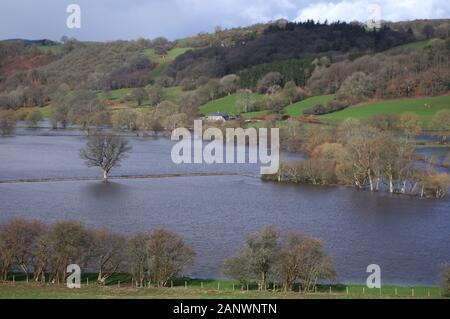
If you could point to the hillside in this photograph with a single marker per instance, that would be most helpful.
(281, 42)
(280, 67)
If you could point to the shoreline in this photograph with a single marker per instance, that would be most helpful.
(121, 177)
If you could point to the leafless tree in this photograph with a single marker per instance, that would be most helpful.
(303, 259)
(105, 151)
(257, 259)
(42, 255)
(245, 101)
(292, 92)
(238, 268)
(125, 119)
(155, 94)
(410, 124)
(7, 122)
(268, 80)
(441, 123)
(24, 236)
(83, 106)
(169, 255)
(229, 83)
(33, 118)
(138, 257)
(108, 250)
(69, 244)
(6, 251)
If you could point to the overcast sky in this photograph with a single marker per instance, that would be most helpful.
(130, 19)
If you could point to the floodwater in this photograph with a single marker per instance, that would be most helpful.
(408, 237)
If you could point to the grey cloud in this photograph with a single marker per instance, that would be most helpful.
(117, 19)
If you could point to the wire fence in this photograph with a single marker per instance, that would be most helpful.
(127, 281)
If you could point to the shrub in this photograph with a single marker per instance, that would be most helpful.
(7, 122)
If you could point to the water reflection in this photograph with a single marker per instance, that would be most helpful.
(408, 237)
(104, 189)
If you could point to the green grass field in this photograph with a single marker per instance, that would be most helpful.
(171, 55)
(55, 49)
(226, 104)
(205, 290)
(424, 107)
(297, 109)
(416, 45)
(120, 286)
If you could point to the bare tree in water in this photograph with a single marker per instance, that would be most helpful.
(105, 151)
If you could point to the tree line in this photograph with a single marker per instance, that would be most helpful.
(285, 41)
(288, 257)
(297, 70)
(42, 252)
(362, 156)
(399, 72)
(93, 66)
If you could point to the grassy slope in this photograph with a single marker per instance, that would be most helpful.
(115, 94)
(398, 106)
(225, 104)
(416, 45)
(425, 107)
(57, 48)
(296, 109)
(164, 61)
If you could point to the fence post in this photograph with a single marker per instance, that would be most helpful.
(185, 285)
(429, 293)
(233, 286)
(330, 290)
(315, 289)
(247, 287)
(118, 284)
(171, 284)
(87, 281)
(14, 279)
(346, 289)
(300, 288)
(412, 292)
(396, 292)
(218, 286)
(364, 290)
